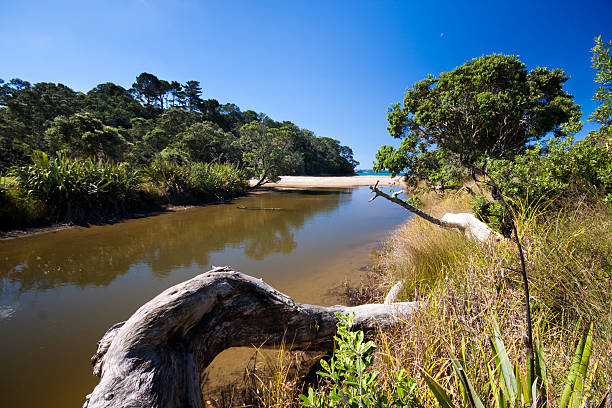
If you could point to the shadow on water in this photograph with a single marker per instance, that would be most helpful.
(97, 255)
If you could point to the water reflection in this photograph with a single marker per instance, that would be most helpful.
(97, 255)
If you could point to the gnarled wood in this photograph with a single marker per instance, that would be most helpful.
(156, 357)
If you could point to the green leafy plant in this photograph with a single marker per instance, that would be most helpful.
(511, 388)
(351, 383)
(73, 189)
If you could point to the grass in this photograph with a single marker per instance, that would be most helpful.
(466, 288)
(463, 285)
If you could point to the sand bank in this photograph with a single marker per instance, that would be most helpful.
(331, 181)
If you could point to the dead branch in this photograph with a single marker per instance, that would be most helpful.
(467, 223)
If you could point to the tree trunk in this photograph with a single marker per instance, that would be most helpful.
(156, 357)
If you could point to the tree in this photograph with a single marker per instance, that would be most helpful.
(113, 105)
(29, 110)
(176, 120)
(490, 107)
(82, 135)
(177, 93)
(193, 95)
(206, 142)
(602, 62)
(151, 90)
(267, 152)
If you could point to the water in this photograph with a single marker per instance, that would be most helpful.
(60, 291)
(372, 173)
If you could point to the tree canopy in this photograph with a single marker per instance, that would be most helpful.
(155, 118)
(489, 107)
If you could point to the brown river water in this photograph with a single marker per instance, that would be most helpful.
(60, 291)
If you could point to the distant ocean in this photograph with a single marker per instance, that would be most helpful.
(371, 173)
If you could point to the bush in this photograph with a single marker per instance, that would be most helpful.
(351, 382)
(18, 210)
(193, 182)
(460, 284)
(76, 189)
(557, 170)
(216, 180)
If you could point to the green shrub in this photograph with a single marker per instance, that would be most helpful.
(488, 211)
(18, 210)
(557, 170)
(196, 181)
(216, 180)
(75, 189)
(170, 178)
(351, 383)
(511, 387)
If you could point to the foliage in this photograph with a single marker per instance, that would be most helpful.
(138, 124)
(216, 180)
(602, 62)
(557, 169)
(82, 136)
(17, 209)
(487, 211)
(75, 189)
(267, 152)
(113, 105)
(461, 283)
(490, 107)
(207, 142)
(352, 384)
(510, 387)
(192, 182)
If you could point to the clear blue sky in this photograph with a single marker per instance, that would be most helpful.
(330, 66)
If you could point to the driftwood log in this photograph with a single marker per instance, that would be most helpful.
(466, 223)
(156, 357)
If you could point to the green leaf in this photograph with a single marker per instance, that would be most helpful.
(442, 396)
(502, 361)
(473, 398)
(571, 376)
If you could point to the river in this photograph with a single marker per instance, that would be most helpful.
(60, 291)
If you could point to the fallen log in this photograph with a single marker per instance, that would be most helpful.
(156, 357)
(466, 223)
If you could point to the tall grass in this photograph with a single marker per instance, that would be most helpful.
(463, 285)
(195, 181)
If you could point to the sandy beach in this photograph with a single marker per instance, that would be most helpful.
(331, 181)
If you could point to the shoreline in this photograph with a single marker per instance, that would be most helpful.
(286, 183)
(331, 181)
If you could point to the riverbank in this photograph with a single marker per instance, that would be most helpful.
(462, 286)
(24, 232)
(331, 181)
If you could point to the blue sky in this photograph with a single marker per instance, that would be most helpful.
(330, 66)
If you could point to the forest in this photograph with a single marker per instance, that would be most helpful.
(67, 155)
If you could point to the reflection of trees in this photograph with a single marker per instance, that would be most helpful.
(99, 254)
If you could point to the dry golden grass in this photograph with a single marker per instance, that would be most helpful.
(461, 284)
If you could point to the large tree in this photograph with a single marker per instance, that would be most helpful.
(267, 152)
(489, 107)
(82, 135)
(113, 105)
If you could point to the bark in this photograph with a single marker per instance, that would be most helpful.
(156, 357)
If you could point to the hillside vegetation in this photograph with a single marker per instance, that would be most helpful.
(69, 156)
